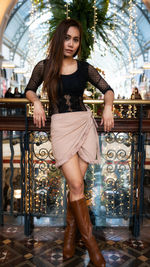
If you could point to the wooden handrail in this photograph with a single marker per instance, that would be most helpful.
(17, 123)
(94, 101)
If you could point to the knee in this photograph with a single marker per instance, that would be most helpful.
(77, 188)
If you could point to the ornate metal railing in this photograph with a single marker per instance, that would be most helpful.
(31, 186)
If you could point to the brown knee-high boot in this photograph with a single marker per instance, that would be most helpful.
(70, 233)
(82, 217)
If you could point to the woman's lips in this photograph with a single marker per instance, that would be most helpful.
(69, 51)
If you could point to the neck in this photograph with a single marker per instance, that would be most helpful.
(68, 60)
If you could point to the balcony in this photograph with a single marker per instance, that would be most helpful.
(117, 190)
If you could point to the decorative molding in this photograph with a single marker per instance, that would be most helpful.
(6, 7)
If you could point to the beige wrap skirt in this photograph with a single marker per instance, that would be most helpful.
(74, 132)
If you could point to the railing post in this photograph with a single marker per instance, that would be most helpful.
(28, 224)
(139, 178)
(1, 179)
(28, 219)
(12, 171)
(22, 166)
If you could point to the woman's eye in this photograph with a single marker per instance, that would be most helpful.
(66, 38)
(76, 40)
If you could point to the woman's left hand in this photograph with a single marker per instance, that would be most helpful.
(107, 118)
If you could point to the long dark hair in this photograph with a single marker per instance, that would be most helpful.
(56, 56)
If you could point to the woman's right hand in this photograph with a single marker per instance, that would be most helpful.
(39, 117)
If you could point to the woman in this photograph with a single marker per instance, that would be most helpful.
(135, 94)
(73, 131)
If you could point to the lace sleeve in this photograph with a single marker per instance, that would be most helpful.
(97, 80)
(36, 77)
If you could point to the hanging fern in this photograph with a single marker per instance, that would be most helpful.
(82, 10)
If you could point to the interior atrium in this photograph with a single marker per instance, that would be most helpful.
(35, 203)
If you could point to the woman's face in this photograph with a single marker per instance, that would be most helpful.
(72, 41)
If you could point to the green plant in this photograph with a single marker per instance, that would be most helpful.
(83, 11)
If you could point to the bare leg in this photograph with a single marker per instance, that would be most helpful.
(72, 172)
(83, 166)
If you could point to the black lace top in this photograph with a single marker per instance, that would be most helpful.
(70, 94)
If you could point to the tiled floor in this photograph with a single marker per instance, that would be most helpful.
(44, 248)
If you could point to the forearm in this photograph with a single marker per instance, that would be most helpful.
(109, 98)
(39, 117)
(31, 96)
(107, 117)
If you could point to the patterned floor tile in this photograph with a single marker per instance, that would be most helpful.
(54, 256)
(26, 264)
(32, 243)
(2, 239)
(143, 258)
(28, 256)
(7, 255)
(6, 241)
(117, 258)
(44, 248)
(137, 244)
